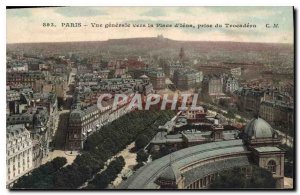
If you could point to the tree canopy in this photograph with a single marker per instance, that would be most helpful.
(98, 148)
(141, 141)
(236, 179)
(41, 177)
(103, 179)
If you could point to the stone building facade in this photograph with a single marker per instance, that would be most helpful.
(277, 113)
(19, 151)
(157, 78)
(212, 86)
(83, 122)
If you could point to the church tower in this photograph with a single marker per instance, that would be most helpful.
(181, 55)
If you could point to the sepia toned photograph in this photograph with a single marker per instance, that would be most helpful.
(150, 98)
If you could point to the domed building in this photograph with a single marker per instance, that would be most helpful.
(144, 77)
(260, 133)
(197, 166)
(263, 141)
(259, 128)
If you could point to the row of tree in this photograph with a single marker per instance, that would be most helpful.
(41, 177)
(98, 148)
(117, 135)
(53, 175)
(74, 175)
(141, 157)
(103, 179)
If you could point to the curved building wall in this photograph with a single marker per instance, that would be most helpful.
(189, 162)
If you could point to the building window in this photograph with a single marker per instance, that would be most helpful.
(272, 166)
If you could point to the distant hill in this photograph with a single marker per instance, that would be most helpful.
(152, 43)
(279, 56)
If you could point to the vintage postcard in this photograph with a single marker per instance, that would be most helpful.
(153, 98)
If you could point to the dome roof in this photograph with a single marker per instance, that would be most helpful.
(259, 128)
(168, 174)
(144, 76)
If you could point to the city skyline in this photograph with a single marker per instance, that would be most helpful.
(98, 98)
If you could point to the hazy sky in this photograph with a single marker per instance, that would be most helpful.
(25, 25)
